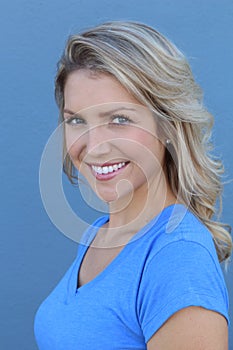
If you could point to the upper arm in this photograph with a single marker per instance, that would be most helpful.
(192, 328)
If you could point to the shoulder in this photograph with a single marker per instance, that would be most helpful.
(179, 227)
(181, 270)
(183, 246)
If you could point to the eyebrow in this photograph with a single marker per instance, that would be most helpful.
(102, 114)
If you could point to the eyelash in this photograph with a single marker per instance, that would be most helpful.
(124, 120)
(70, 121)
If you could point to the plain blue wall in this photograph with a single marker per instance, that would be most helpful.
(34, 255)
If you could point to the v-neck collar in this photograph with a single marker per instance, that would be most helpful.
(90, 233)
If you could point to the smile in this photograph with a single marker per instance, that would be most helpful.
(106, 169)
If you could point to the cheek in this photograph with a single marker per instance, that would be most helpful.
(74, 143)
(145, 147)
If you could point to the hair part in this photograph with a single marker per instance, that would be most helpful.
(158, 75)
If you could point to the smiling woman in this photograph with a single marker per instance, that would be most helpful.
(148, 275)
(108, 138)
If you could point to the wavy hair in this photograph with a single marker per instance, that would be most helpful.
(158, 75)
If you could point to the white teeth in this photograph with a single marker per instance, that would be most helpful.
(107, 169)
(99, 170)
(115, 167)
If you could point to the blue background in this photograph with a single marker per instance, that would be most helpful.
(33, 253)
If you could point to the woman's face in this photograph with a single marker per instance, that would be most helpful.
(110, 137)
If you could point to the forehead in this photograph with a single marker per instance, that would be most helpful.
(84, 89)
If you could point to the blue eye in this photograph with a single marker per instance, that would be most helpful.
(120, 120)
(74, 121)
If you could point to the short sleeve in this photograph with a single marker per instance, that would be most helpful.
(180, 275)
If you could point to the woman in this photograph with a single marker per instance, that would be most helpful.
(147, 275)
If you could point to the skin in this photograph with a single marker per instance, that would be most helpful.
(141, 190)
(192, 328)
(135, 195)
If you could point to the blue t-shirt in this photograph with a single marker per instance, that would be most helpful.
(170, 264)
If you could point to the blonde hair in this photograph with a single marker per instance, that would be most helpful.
(154, 71)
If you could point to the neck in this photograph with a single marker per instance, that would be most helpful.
(142, 205)
(129, 214)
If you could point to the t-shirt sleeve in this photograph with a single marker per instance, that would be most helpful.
(180, 275)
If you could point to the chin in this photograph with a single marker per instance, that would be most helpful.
(107, 197)
(116, 200)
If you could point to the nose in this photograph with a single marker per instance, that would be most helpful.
(98, 142)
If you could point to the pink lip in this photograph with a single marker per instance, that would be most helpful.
(108, 164)
(109, 176)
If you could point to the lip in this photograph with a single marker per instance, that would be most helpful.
(109, 176)
(108, 163)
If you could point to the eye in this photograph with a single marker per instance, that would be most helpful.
(120, 120)
(74, 121)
